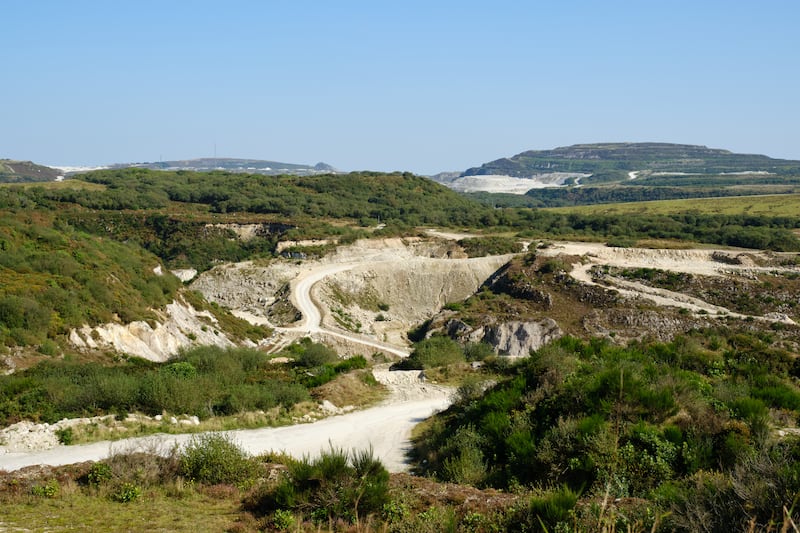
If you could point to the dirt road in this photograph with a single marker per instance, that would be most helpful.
(690, 261)
(386, 428)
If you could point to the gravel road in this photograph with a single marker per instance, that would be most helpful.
(386, 428)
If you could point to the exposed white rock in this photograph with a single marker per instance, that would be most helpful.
(25, 435)
(180, 326)
(519, 338)
(184, 274)
(283, 245)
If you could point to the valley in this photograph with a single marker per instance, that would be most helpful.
(388, 271)
(572, 354)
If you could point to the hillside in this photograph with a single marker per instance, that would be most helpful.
(589, 174)
(24, 171)
(613, 161)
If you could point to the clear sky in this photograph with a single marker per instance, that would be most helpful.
(424, 86)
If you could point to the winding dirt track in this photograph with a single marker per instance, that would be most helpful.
(312, 318)
(385, 428)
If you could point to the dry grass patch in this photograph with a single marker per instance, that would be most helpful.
(359, 389)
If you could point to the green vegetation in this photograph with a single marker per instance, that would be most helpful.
(214, 458)
(436, 351)
(495, 245)
(337, 486)
(742, 230)
(661, 422)
(395, 198)
(759, 208)
(317, 364)
(54, 278)
(337, 491)
(204, 382)
(637, 191)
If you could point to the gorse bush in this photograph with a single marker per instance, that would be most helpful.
(215, 458)
(335, 486)
(315, 364)
(627, 422)
(57, 278)
(436, 351)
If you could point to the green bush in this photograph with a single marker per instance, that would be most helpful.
(48, 347)
(600, 416)
(48, 490)
(126, 493)
(99, 473)
(283, 520)
(433, 352)
(551, 509)
(65, 436)
(335, 486)
(215, 458)
(204, 381)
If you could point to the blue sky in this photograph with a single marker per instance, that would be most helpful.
(423, 86)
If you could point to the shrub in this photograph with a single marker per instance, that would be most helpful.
(48, 490)
(65, 436)
(310, 354)
(551, 509)
(454, 306)
(99, 473)
(466, 468)
(478, 351)
(215, 458)
(335, 486)
(48, 347)
(435, 352)
(126, 493)
(283, 520)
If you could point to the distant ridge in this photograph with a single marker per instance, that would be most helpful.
(255, 166)
(12, 171)
(607, 161)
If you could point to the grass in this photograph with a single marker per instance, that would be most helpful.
(74, 510)
(780, 205)
(277, 416)
(355, 388)
(58, 185)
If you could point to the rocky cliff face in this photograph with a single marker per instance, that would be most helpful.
(520, 338)
(516, 338)
(389, 298)
(179, 326)
(258, 289)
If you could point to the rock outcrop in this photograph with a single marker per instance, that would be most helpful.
(512, 338)
(520, 338)
(411, 292)
(179, 326)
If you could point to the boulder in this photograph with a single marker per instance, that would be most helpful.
(519, 338)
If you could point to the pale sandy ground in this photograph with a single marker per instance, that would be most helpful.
(694, 261)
